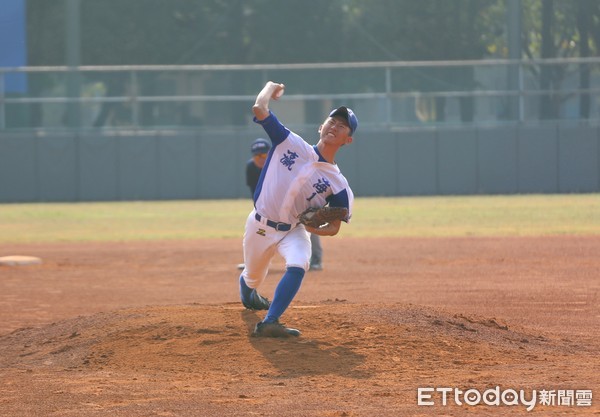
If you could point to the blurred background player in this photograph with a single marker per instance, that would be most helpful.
(259, 149)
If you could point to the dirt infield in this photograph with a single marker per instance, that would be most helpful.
(155, 329)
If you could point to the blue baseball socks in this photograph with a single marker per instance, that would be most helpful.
(284, 293)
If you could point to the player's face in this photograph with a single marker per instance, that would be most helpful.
(260, 159)
(335, 131)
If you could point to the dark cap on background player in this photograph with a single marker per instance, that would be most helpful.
(259, 146)
(347, 114)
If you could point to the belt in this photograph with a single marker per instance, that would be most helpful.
(280, 227)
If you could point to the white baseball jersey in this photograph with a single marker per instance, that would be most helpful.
(296, 177)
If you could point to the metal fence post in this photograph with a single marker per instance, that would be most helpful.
(388, 95)
(73, 59)
(2, 104)
(513, 17)
(135, 104)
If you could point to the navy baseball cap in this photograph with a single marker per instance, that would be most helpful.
(347, 114)
(259, 146)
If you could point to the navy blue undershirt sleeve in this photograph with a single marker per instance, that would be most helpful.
(273, 127)
(339, 200)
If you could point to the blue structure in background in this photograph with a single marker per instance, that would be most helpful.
(13, 44)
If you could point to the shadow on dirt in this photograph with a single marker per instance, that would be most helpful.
(295, 357)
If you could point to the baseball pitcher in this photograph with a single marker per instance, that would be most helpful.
(300, 189)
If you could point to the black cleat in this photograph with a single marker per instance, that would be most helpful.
(275, 329)
(256, 302)
(316, 266)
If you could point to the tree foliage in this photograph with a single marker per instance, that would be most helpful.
(116, 32)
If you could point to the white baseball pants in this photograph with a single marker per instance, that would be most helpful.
(261, 243)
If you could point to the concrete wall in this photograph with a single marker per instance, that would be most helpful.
(549, 158)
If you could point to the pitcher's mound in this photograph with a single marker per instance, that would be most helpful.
(19, 260)
(203, 359)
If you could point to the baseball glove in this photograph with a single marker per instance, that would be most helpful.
(317, 217)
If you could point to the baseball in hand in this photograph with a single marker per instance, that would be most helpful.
(279, 92)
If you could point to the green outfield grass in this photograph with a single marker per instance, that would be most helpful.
(518, 215)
